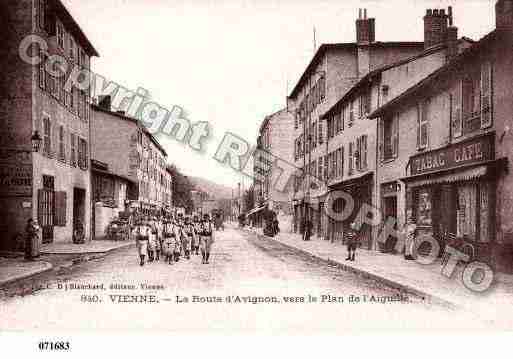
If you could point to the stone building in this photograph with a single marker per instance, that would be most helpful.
(454, 145)
(275, 145)
(333, 71)
(132, 166)
(53, 185)
(352, 147)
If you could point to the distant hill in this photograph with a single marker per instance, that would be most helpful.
(214, 190)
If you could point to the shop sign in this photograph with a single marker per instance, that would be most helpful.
(15, 179)
(469, 152)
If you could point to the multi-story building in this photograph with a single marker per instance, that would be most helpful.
(275, 145)
(352, 145)
(133, 160)
(333, 71)
(52, 185)
(448, 171)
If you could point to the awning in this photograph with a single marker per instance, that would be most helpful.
(351, 182)
(467, 173)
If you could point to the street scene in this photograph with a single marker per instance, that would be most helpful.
(241, 265)
(335, 170)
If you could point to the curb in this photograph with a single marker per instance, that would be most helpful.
(49, 267)
(425, 296)
(87, 257)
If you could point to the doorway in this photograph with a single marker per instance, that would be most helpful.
(79, 208)
(46, 208)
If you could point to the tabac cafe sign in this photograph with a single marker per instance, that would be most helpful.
(474, 151)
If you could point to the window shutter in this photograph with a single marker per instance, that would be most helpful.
(59, 213)
(364, 151)
(351, 157)
(486, 94)
(381, 139)
(395, 142)
(457, 121)
(321, 137)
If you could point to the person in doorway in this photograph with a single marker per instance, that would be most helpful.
(410, 236)
(308, 230)
(31, 240)
(353, 238)
(207, 238)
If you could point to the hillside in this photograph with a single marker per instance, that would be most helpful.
(214, 190)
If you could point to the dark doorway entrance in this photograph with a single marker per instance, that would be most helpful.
(46, 208)
(79, 207)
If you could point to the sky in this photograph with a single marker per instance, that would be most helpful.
(232, 62)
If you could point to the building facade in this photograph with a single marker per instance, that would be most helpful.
(454, 145)
(333, 71)
(132, 171)
(52, 185)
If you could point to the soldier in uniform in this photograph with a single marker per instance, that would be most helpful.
(141, 233)
(207, 238)
(160, 236)
(189, 235)
(168, 247)
(178, 239)
(152, 240)
(196, 239)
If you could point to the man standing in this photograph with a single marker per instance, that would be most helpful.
(207, 238)
(352, 237)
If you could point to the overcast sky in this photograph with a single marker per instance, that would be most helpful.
(231, 62)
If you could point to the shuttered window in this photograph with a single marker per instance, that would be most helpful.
(351, 157)
(486, 94)
(361, 158)
(82, 153)
(456, 113)
(62, 144)
(73, 146)
(59, 213)
(422, 124)
(320, 133)
(47, 136)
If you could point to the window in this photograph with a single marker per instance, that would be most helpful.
(60, 35)
(351, 113)
(364, 104)
(389, 138)
(73, 145)
(330, 127)
(47, 137)
(320, 133)
(82, 153)
(320, 169)
(361, 155)
(41, 13)
(351, 157)
(72, 49)
(471, 101)
(423, 124)
(42, 70)
(326, 168)
(322, 88)
(62, 151)
(340, 164)
(486, 94)
(456, 120)
(296, 120)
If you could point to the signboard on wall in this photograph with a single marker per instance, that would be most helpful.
(476, 150)
(15, 179)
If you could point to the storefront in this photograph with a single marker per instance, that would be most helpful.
(360, 190)
(451, 195)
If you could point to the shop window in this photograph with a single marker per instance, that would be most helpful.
(484, 212)
(467, 211)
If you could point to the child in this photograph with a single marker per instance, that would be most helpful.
(352, 236)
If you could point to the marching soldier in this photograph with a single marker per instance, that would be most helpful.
(168, 247)
(141, 233)
(152, 242)
(207, 238)
(189, 235)
(160, 235)
(196, 238)
(177, 230)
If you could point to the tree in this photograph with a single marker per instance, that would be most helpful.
(182, 188)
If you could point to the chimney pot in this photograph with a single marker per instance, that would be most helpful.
(365, 14)
(429, 12)
(359, 13)
(442, 12)
(435, 12)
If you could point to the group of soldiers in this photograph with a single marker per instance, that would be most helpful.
(173, 238)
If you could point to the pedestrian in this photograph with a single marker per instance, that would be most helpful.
(32, 242)
(308, 230)
(141, 234)
(410, 235)
(207, 238)
(160, 236)
(177, 230)
(168, 245)
(276, 224)
(353, 238)
(152, 239)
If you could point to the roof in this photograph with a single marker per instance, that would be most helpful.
(376, 73)
(352, 46)
(269, 117)
(429, 80)
(134, 120)
(73, 27)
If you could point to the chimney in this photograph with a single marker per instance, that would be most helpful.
(104, 101)
(452, 37)
(504, 15)
(365, 29)
(435, 27)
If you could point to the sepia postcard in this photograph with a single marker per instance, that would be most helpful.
(242, 166)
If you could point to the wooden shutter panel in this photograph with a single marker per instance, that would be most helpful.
(486, 94)
(395, 143)
(381, 139)
(457, 121)
(59, 213)
(351, 157)
(364, 154)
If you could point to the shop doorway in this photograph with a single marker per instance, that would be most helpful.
(46, 208)
(79, 207)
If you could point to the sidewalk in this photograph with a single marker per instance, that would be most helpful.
(13, 269)
(92, 247)
(425, 281)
